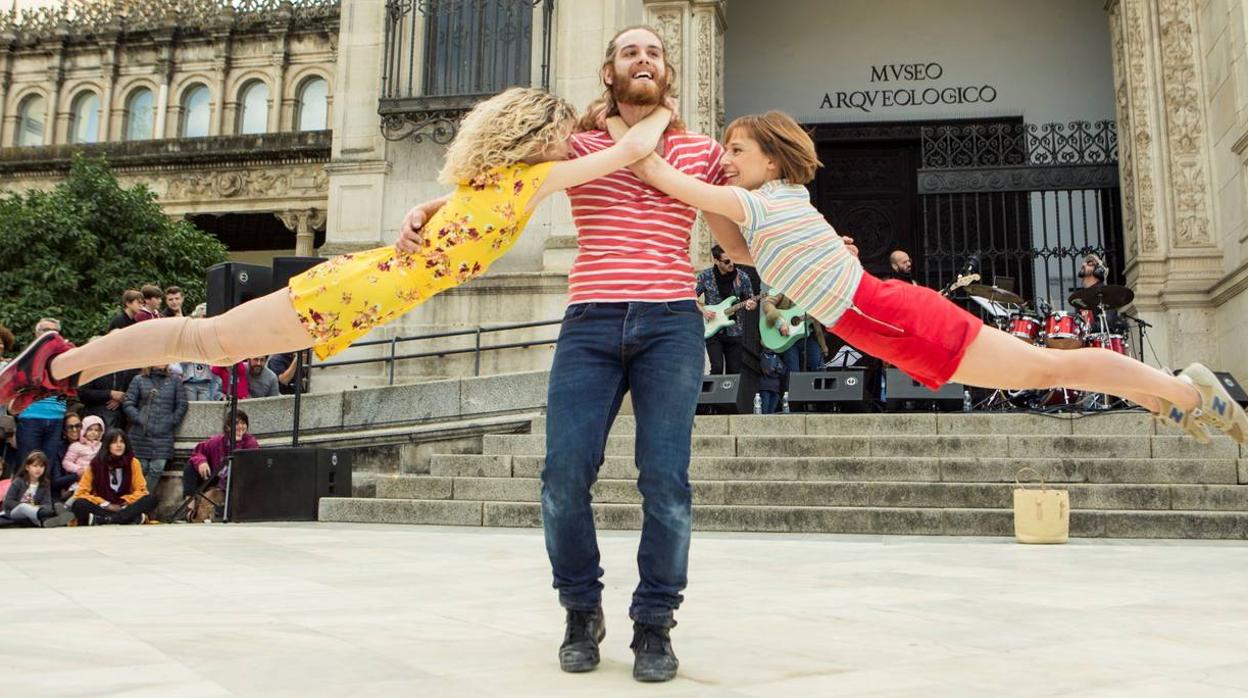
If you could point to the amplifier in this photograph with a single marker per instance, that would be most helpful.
(905, 393)
(841, 390)
(233, 283)
(724, 394)
(287, 483)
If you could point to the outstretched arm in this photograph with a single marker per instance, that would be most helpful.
(639, 142)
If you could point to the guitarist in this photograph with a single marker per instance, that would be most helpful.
(714, 284)
(903, 268)
(806, 355)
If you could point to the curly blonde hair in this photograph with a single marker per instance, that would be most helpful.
(520, 123)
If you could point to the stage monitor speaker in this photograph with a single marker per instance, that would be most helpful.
(722, 394)
(901, 390)
(839, 390)
(1238, 394)
(286, 267)
(286, 484)
(234, 283)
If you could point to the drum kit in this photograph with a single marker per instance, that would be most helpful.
(1088, 326)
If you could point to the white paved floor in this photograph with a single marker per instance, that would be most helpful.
(378, 611)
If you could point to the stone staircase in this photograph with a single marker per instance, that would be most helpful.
(926, 474)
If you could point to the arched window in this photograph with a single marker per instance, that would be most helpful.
(253, 108)
(31, 116)
(313, 111)
(140, 115)
(84, 126)
(196, 112)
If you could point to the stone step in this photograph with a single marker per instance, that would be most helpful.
(839, 494)
(983, 446)
(1224, 471)
(867, 520)
(914, 423)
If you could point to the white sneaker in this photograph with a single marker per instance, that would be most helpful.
(1217, 408)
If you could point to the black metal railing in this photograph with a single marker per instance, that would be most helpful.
(476, 350)
(1028, 201)
(443, 56)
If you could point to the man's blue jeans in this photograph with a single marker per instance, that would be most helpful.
(655, 351)
(804, 355)
(45, 435)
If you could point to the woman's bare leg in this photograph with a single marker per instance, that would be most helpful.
(998, 360)
(267, 325)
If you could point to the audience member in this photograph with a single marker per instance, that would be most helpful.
(131, 304)
(173, 301)
(112, 490)
(240, 375)
(39, 426)
(261, 382)
(71, 431)
(79, 455)
(772, 368)
(154, 405)
(285, 366)
(150, 309)
(102, 397)
(29, 498)
(207, 463)
(200, 382)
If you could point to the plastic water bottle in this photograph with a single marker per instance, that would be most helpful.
(786, 402)
(966, 400)
(758, 403)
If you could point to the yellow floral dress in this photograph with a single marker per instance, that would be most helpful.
(340, 300)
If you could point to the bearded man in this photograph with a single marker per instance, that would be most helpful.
(632, 326)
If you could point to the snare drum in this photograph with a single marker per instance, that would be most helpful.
(1064, 330)
(1025, 327)
(1112, 342)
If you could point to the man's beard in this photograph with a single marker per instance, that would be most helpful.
(641, 93)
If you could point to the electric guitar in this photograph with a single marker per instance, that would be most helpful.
(959, 283)
(795, 318)
(723, 314)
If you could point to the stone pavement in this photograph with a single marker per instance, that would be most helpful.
(372, 610)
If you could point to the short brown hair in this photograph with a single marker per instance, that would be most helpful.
(782, 139)
(152, 291)
(173, 289)
(130, 295)
(7, 340)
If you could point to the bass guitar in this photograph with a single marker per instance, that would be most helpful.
(723, 314)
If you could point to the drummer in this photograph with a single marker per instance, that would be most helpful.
(1092, 274)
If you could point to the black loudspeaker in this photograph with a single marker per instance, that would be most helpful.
(286, 484)
(1238, 394)
(840, 390)
(901, 389)
(722, 394)
(286, 267)
(235, 283)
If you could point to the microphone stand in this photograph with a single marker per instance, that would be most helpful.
(230, 440)
(1140, 325)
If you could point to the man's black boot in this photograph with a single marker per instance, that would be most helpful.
(579, 651)
(655, 661)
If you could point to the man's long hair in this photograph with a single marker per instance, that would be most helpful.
(586, 122)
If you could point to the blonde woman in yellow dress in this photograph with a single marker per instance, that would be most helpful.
(509, 155)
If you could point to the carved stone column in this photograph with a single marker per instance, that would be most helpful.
(693, 32)
(304, 223)
(1172, 256)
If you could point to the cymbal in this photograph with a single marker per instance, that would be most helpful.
(1110, 296)
(993, 293)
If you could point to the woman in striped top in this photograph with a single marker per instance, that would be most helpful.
(769, 158)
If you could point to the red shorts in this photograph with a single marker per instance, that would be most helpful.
(911, 327)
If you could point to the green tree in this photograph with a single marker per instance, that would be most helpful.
(70, 251)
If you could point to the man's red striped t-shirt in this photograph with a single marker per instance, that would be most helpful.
(632, 239)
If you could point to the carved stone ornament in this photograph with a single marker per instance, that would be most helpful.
(438, 126)
(248, 184)
(1141, 125)
(1185, 120)
(81, 20)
